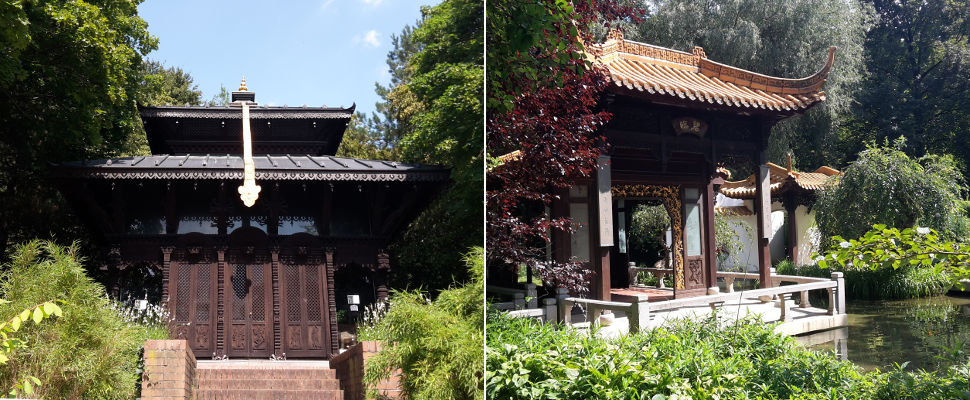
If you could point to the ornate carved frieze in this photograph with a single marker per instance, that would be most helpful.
(670, 197)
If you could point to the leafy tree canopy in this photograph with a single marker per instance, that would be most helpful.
(69, 74)
(439, 99)
(885, 186)
(919, 82)
(161, 86)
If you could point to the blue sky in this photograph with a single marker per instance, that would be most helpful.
(291, 52)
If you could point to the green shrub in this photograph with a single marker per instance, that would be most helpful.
(701, 359)
(436, 344)
(907, 282)
(92, 352)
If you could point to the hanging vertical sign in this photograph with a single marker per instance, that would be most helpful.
(764, 201)
(604, 201)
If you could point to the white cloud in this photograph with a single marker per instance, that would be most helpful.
(373, 3)
(326, 4)
(371, 38)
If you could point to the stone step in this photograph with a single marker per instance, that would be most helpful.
(265, 373)
(258, 394)
(282, 384)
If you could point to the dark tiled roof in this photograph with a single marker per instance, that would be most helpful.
(277, 167)
(255, 112)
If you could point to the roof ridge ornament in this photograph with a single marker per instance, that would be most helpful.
(242, 85)
(249, 191)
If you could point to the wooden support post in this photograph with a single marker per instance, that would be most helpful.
(790, 208)
(763, 209)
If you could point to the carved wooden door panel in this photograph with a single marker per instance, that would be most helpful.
(192, 304)
(249, 298)
(693, 239)
(306, 327)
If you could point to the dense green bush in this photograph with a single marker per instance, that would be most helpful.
(688, 359)
(907, 282)
(885, 186)
(436, 344)
(92, 352)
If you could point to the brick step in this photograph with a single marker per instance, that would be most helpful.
(266, 373)
(259, 394)
(284, 384)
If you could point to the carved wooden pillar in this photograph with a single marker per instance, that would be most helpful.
(171, 215)
(220, 301)
(166, 268)
(117, 208)
(222, 210)
(332, 302)
(383, 268)
(277, 319)
(275, 203)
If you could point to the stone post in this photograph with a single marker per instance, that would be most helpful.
(169, 370)
(531, 296)
(639, 313)
(839, 295)
(551, 311)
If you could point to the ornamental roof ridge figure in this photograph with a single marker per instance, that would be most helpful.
(249, 191)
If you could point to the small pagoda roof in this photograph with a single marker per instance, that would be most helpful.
(681, 78)
(230, 167)
(782, 180)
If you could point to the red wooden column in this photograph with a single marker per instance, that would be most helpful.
(790, 208)
(763, 208)
(603, 205)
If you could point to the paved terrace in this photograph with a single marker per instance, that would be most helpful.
(636, 309)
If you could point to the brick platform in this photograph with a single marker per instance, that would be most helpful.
(171, 372)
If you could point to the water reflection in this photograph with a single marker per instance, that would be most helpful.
(929, 333)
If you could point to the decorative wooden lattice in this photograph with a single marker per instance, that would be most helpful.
(258, 299)
(202, 293)
(669, 196)
(312, 290)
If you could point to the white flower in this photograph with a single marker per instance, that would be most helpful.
(845, 245)
(922, 230)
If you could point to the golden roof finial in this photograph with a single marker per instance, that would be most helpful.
(242, 85)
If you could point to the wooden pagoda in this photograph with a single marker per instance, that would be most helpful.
(677, 117)
(260, 281)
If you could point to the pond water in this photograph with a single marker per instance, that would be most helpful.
(930, 333)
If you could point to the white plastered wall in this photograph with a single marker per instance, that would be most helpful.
(807, 234)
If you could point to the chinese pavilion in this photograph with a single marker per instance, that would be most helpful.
(265, 280)
(792, 193)
(677, 118)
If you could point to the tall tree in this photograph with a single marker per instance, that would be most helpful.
(361, 142)
(69, 74)
(391, 122)
(919, 86)
(442, 102)
(779, 38)
(542, 108)
(172, 85)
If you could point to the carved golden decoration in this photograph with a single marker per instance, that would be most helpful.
(242, 85)
(669, 196)
(249, 191)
